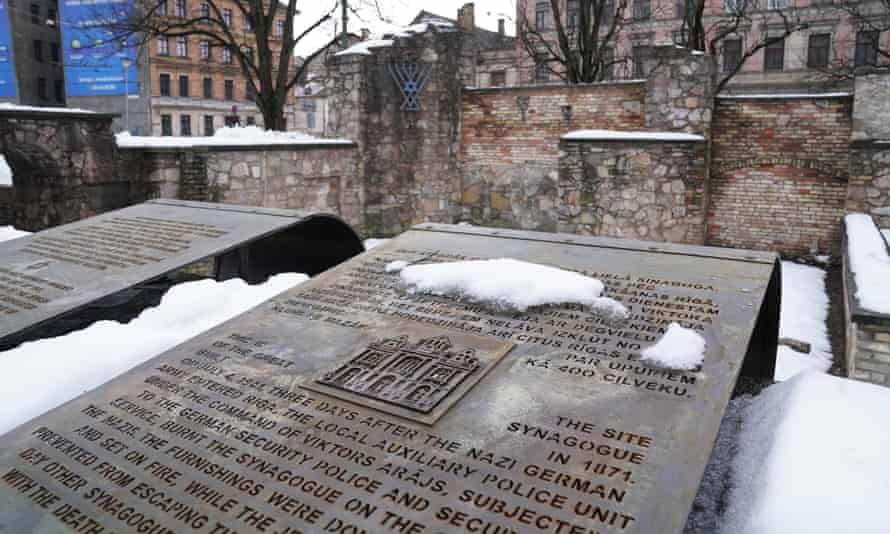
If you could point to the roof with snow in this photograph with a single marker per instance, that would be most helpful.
(486, 39)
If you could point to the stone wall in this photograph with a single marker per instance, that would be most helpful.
(407, 159)
(314, 178)
(778, 177)
(869, 190)
(63, 167)
(641, 190)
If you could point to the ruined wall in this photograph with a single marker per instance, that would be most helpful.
(63, 167)
(407, 158)
(640, 190)
(314, 178)
(7, 197)
(510, 150)
(779, 173)
(869, 189)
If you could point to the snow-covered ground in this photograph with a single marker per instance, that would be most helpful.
(869, 263)
(812, 459)
(6, 106)
(242, 135)
(803, 317)
(374, 242)
(38, 376)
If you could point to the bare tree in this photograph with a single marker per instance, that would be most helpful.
(583, 49)
(762, 22)
(264, 51)
(871, 21)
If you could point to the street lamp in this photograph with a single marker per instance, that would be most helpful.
(126, 64)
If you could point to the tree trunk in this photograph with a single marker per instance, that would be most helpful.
(272, 109)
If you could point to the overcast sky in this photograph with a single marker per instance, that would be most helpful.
(398, 12)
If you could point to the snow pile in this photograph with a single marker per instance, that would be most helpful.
(16, 107)
(395, 266)
(388, 37)
(8, 232)
(509, 284)
(869, 262)
(38, 376)
(886, 233)
(241, 135)
(372, 242)
(5, 172)
(615, 135)
(812, 459)
(803, 316)
(679, 348)
(775, 96)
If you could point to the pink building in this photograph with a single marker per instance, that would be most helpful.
(831, 40)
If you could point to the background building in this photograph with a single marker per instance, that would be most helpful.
(31, 71)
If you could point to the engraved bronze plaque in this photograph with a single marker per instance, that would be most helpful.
(418, 376)
(56, 271)
(347, 405)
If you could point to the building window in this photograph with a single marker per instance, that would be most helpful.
(248, 53)
(179, 8)
(59, 88)
(818, 49)
(499, 78)
(185, 125)
(866, 48)
(51, 15)
(232, 120)
(680, 9)
(183, 85)
(735, 7)
(279, 28)
(227, 17)
(227, 55)
(573, 14)
(182, 46)
(310, 120)
(205, 10)
(680, 37)
(542, 70)
(251, 121)
(774, 56)
(732, 54)
(208, 125)
(38, 50)
(249, 93)
(640, 56)
(35, 14)
(163, 46)
(205, 50)
(208, 87)
(642, 9)
(248, 27)
(608, 12)
(777, 4)
(542, 15)
(164, 84)
(166, 125)
(162, 7)
(41, 88)
(230, 89)
(54, 52)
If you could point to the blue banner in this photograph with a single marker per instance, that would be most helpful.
(7, 68)
(94, 59)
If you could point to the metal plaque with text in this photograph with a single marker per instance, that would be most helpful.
(350, 405)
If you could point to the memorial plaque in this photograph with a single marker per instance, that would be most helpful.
(53, 272)
(348, 405)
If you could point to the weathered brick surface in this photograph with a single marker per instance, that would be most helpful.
(651, 191)
(871, 353)
(778, 173)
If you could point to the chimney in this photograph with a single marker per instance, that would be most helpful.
(366, 34)
(501, 29)
(466, 17)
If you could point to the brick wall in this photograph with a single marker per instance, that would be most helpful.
(510, 163)
(778, 173)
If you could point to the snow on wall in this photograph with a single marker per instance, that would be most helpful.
(869, 263)
(803, 317)
(5, 172)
